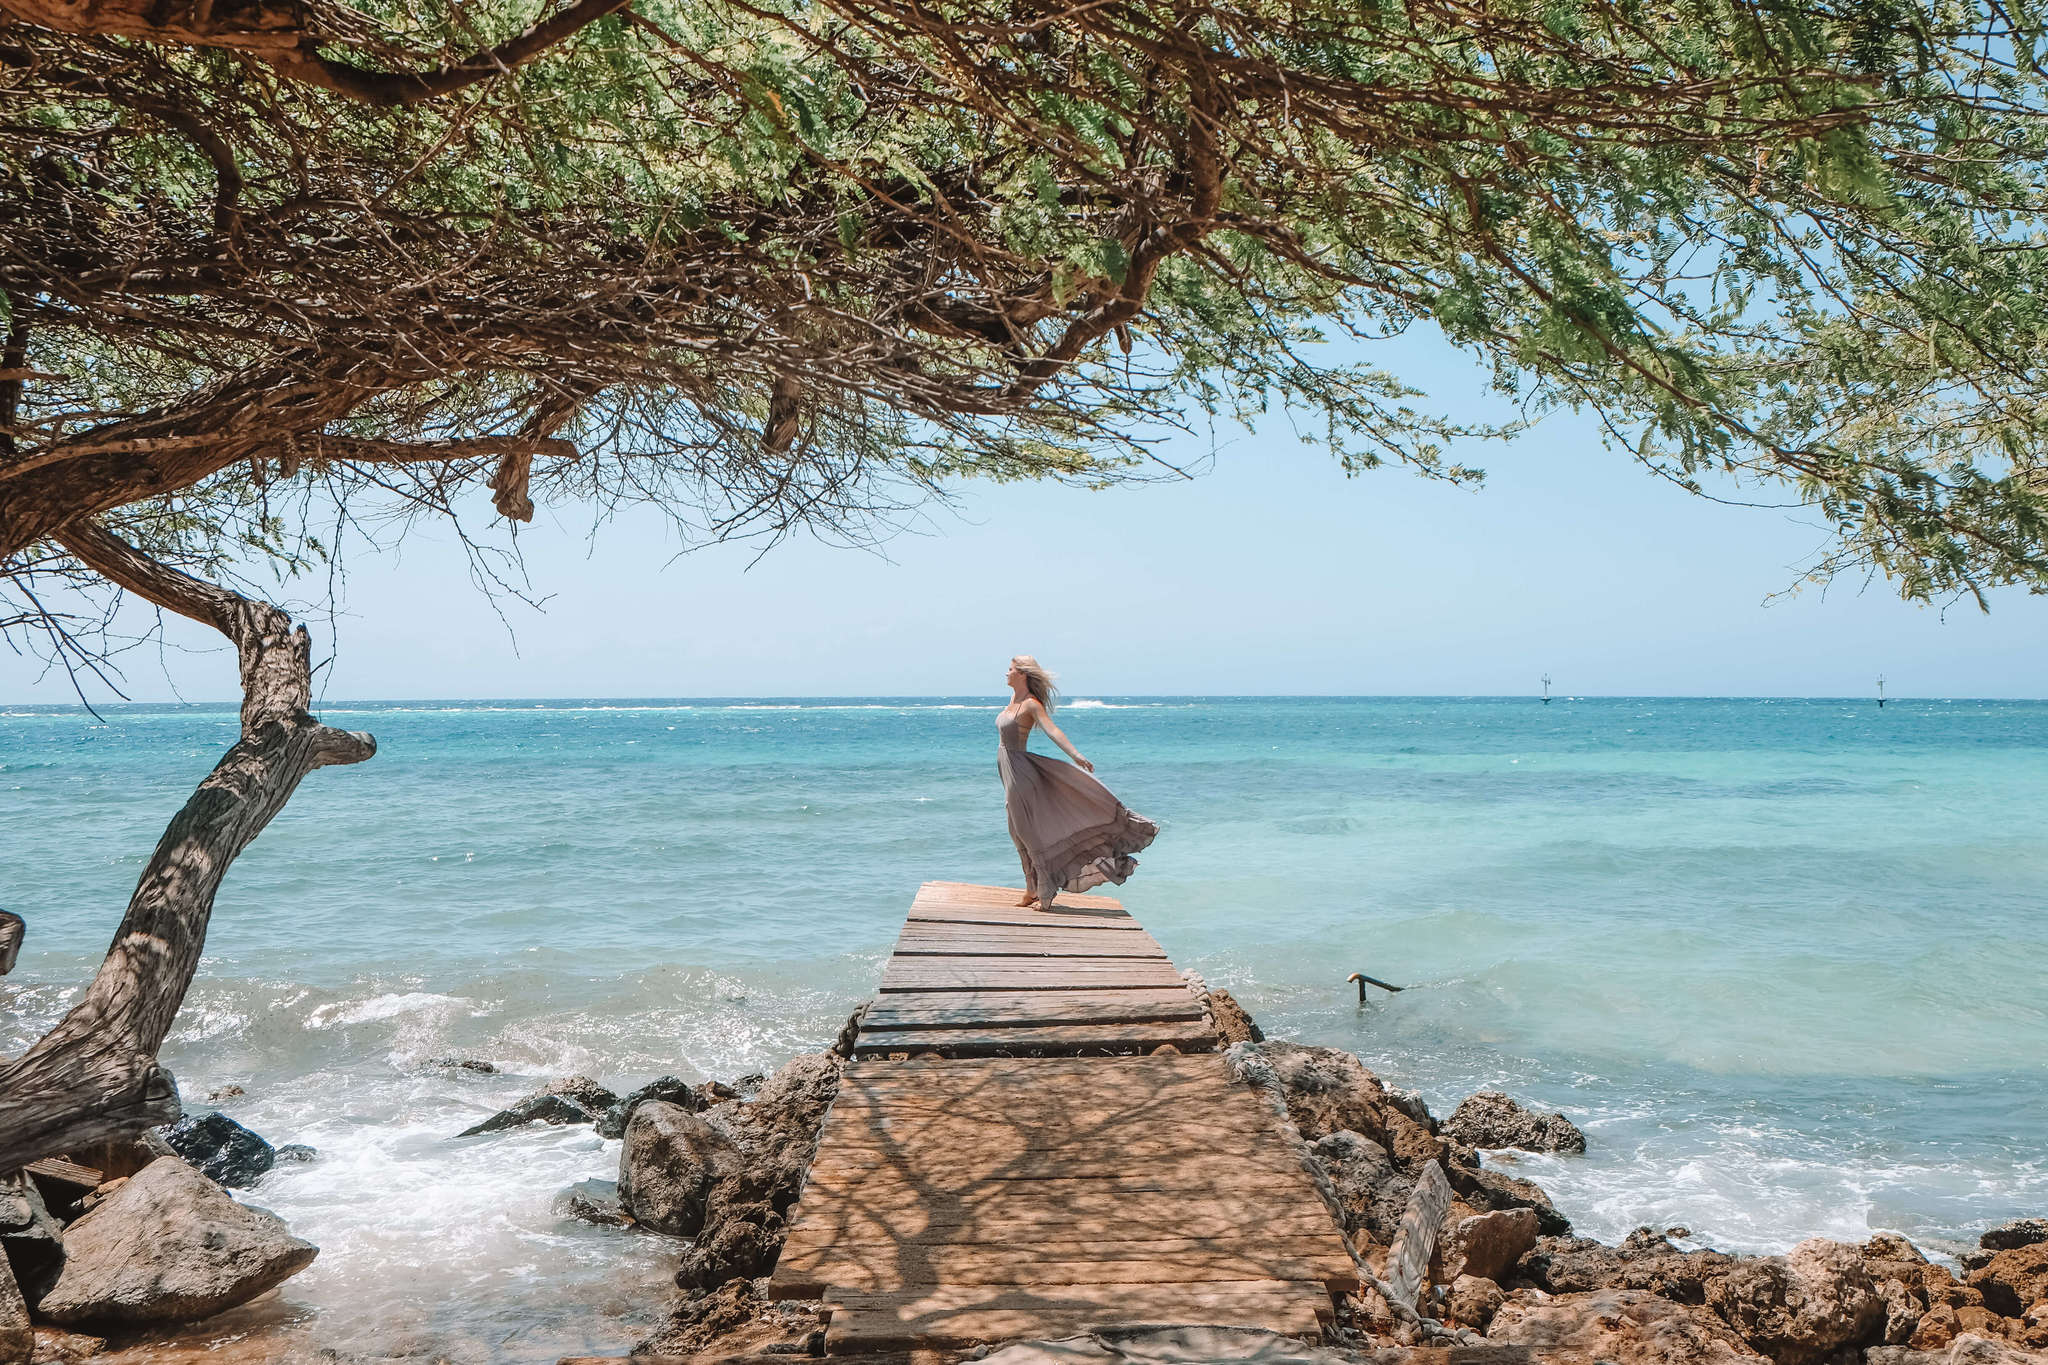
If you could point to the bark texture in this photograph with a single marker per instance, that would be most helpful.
(95, 1076)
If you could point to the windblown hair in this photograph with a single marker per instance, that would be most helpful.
(1037, 681)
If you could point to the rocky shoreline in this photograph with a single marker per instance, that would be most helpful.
(160, 1242)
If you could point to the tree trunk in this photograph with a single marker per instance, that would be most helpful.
(95, 1076)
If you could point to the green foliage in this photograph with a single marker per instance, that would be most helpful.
(1791, 246)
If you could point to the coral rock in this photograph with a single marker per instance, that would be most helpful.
(1802, 1307)
(1624, 1326)
(1491, 1119)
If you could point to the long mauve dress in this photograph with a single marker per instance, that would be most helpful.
(1071, 832)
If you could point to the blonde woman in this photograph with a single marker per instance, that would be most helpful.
(1071, 832)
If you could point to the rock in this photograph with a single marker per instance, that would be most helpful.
(1491, 1119)
(99, 1195)
(55, 1346)
(581, 1090)
(1410, 1103)
(1328, 1091)
(737, 1319)
(744, 1245)
(669, 1089)
(2018, 1232)
(1800, 1308)
(1373, 1193)
(222, 1149)
(1576, 1265)
(1623, 1326)
(1496, 1190)
(17, 1337)
(593, 1201)
(1967, 1350)
(471, 1064)
(296, 1151)
(1903, 1310)
(729, 1175)
(1473, 1301)
(170, 1246)
(1233, 1025)
(541, 1108)
(226, 1092)
(30, 1237)
(2013, 1280)
(1489, 1244)
(671, 1157)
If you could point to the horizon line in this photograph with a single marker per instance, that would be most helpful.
(991, 698)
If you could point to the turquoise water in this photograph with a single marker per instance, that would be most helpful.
(1781, 959)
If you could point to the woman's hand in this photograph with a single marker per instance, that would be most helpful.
(1083, 764)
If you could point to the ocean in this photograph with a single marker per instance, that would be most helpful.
(1781, 959)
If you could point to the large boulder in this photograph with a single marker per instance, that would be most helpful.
(170, 1246)
(221, 1148)
(1802, 1307)
(1373, 1193)
(2013, 1280)
(31, 1238)
(1488, 1244)
(1623, 1326)
(17, 1336)
(671, 1158)
(1491, 1119)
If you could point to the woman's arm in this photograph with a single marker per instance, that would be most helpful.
(1036, 710)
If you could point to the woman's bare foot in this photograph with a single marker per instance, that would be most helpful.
(1029, 899)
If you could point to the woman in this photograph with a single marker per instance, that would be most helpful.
(1071, 832)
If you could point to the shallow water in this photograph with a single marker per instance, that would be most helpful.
(1780, 959)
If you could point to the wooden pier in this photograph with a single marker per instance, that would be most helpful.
(1037, 1136)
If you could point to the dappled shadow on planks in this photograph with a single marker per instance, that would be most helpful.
(961, 1201)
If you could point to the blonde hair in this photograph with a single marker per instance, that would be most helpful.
(1037, 681)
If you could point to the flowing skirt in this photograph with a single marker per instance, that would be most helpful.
(1071, 832)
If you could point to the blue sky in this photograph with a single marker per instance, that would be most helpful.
(1272, 573)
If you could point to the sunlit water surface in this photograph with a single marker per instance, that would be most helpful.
(1782, 960)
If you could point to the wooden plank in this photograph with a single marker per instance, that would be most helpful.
(1053, 928)
(990, 1042)
(963, 1316)
(1415, 1239)
(1051, 1268)
(1031, 943)
(940, 895)
(64, 1172)
(963, 972)
(997, 1009)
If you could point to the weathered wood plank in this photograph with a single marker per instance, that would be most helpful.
(948, 895)
(967, 1315)
(63, 1172)
(998, 1009)
(992, 1042)
(1415, 1239)
(1039, 974)
(1051, 1268)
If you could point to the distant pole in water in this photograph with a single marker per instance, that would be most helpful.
(1363, 981)
(1546, 689)
(1880, 691)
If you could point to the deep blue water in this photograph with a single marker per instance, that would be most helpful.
(1783, 960)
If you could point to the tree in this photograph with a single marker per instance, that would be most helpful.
(787, 264)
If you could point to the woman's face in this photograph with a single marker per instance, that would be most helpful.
(1015, 675)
